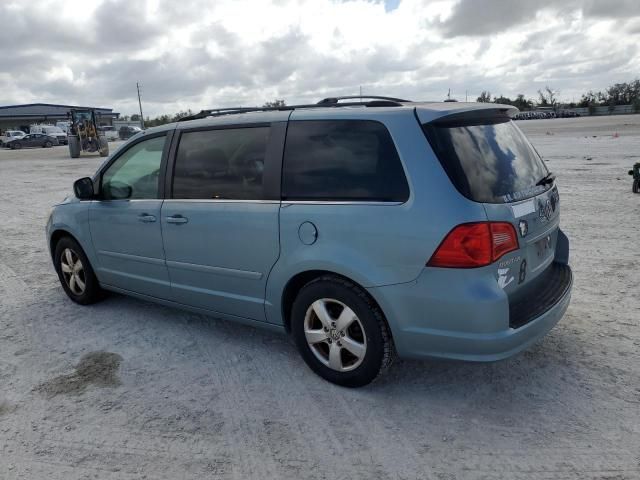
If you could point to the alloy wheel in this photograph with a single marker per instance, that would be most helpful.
(73, 271)
(335, 334)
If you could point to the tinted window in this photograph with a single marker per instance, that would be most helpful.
(225, 163)
(342, 160)
(137, 168)
(490, 162)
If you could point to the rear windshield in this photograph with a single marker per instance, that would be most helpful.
(490, 161)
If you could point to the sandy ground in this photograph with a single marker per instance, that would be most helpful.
(130, 390)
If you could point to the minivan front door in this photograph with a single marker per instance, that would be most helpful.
(220, 227)
(125, 222)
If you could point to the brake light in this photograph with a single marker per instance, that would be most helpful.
(504, 239)
(473, 245)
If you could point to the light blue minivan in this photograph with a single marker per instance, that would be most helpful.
(362, 227)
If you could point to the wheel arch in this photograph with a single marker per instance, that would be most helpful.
(300, 279)
(56, 236)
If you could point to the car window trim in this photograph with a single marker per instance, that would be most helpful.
(386, 203)
(168, 134)
(217, 200)
(272, 161)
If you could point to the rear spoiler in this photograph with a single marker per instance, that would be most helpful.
(474, 116)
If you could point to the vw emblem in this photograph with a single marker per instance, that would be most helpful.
(544, 210)
(523, 226)
(554, 199)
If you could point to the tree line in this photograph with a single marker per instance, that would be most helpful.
(627, 93)
(159, 120)
(164, 119)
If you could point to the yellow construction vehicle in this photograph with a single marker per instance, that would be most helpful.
(84, 135)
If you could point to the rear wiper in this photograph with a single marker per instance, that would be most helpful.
(547, 179)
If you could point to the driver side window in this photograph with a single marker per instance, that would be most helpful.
(135, 174)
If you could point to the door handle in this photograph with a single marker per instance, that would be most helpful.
(177, 219)
(146, 218)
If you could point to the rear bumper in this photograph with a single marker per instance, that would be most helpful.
(440, 316)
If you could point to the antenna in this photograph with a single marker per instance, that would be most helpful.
(140, 105)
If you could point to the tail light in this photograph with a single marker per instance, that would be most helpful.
(473, 245)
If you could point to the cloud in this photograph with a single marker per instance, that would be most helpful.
(611, 8)
(199, 54)
(487, 17)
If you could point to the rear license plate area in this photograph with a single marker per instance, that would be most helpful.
(543, 247)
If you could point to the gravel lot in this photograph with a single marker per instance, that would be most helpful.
(130, 390)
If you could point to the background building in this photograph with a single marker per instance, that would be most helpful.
(19, 117)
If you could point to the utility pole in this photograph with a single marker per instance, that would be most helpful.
(140, 105)
(360, 92)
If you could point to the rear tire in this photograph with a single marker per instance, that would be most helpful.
(104, 146)
(74, 146)
(348, 342)
(75, 272)
(16, 146)
(636, 185)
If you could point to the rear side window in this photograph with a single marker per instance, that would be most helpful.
(342, 160)
(489, 162)
(221, 164)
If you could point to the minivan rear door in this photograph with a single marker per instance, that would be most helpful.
(490, 161)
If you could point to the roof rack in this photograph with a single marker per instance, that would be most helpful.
(327, 102)
(332, 100)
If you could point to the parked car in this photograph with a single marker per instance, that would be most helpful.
(426, 229)
(568, 114)
(64, 125)
(51, 131)
(109, 132)
(128, 131)
(32, 140)
(11, 135)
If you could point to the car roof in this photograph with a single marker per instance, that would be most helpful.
(426, 111)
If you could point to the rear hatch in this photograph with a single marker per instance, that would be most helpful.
(490, 161)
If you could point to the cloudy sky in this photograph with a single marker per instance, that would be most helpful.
(197, 54)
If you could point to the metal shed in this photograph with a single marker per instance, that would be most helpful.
(19, 117)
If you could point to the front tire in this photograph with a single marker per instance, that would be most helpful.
(75, 272)
(104, 146)
(74, 146)
(340, 332)
(636, 185)
(48, 144)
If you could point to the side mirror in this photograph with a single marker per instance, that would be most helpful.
(83, 188)
(630, 172)
(117, 191)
